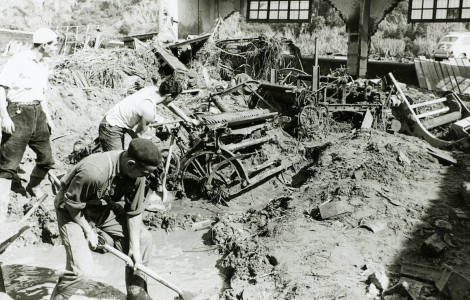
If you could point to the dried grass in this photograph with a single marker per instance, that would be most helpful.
(106, 68)
(386, 46)
(142, 17)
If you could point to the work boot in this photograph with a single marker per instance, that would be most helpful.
(136, 286)
(5, 187)
(34, 186)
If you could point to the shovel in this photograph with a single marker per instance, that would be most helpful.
(4, 245)
(165, 201)
(150, 273)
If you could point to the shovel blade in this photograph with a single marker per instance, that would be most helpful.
(159, 201)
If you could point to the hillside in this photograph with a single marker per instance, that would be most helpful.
(394, 37)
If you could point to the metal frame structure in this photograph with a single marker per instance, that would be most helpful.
(288, 20)
(434, 6)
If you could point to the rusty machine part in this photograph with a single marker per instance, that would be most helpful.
(236, 118)
(212, 168)
(310, 109)
(453, 114)
(211, 158)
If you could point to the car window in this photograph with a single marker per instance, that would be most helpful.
(466, 41)
(449, 39)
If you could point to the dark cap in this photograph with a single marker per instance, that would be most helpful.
(145, 152)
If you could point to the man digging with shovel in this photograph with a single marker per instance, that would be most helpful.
(105, 194)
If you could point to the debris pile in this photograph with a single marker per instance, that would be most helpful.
(357, 191)
(106, 68)
(254, 56)
(246, 256)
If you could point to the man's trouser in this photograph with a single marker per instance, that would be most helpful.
(30, 129)
(111, 137)
(79, 260)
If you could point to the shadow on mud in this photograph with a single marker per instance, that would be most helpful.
(34, 283)
(445, 217)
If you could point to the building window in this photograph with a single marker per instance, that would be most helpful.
(279, 11)
(439, 10)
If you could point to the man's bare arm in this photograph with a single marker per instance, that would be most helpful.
(133, 224)
(181, 113)
(147, 112)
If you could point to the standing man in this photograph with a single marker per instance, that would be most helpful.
(138, 109)
(117, 179)
(24, 114)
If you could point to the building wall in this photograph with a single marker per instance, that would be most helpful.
(7, 35)
(198, 16)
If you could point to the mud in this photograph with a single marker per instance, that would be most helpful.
(184, 258)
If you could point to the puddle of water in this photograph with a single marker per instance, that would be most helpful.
(180, 257)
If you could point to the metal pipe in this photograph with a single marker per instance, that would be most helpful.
(429, 102)
(235, 147)
(220, 104)
(434, 112)
(251, 119)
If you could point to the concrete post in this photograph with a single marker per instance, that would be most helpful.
(358, 42)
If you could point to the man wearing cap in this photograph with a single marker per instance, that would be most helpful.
(138, 110)
(105, 194)
(24, 114)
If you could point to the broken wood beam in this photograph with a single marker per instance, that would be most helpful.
(441, 120)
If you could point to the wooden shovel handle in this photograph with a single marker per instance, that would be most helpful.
(142, 268)
(33, 209)
(168, 159)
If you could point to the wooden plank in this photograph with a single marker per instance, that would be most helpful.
(466, 64)
(465, 84)
(427, 75)
(446, 77)
(420, 74)
(465, 87)
(172, 61)
(432, 70)
(462, 69)
(452, 77)
(458, 76)
(191, 41)
(441, 85)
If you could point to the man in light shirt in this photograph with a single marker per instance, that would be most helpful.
(24, 114)
(138, 110)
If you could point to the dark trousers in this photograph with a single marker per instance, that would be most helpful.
(111, 137)
(30, 130)
(79, 265)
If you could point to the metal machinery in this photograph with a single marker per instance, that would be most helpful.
(221, 158)
(309, 106)
(420, 119)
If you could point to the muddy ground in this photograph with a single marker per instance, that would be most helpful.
(273, 242)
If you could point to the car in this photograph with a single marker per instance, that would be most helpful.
(454, 44)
